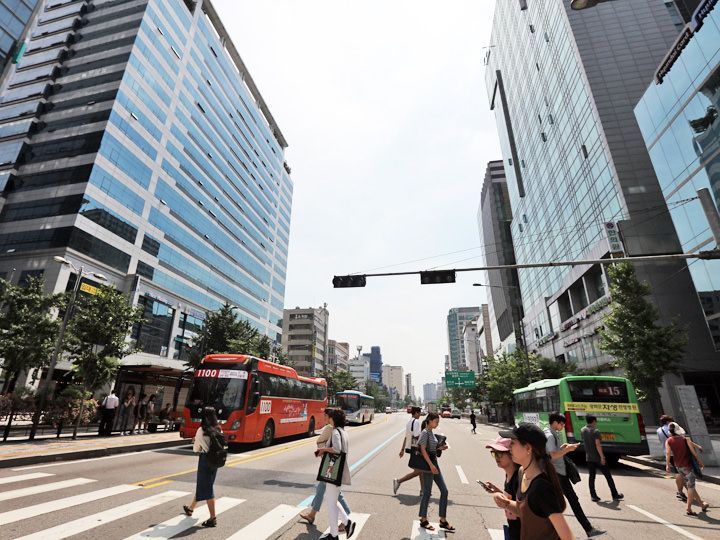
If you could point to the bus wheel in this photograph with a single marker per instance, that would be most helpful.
(311, 428)
(268, 434)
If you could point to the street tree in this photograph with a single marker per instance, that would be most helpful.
(338, 381)
(97, 339)
(644, 349)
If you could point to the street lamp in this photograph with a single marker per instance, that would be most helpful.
(61, 334)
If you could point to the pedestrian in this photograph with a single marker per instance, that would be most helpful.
(540, 502)
(164, 416)
(663, 434)
(337, 444)
(127, 409)
(108, 408)
(140, 413)
(428, 447)
(595, 458)
(500, 451)
(316, 504)
(557, 453)
(472, 421)
(206, 473)
(413, 430)
(149, 412)
(683, 452)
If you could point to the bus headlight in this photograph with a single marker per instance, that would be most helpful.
(235, 425)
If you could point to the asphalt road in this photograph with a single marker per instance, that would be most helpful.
(261, 491)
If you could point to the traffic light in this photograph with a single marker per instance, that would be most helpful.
(340, 282)
(433, 277)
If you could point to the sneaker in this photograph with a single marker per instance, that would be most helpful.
(349, 528)
(396, 486)
(595, 532)
(595, 498)
(618, 497)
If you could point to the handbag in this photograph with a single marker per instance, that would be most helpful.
(410, 450)
(694, 465)
(332, 467)
(571, 470)
(417, 461)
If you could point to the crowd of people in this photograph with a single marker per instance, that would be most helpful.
(136, 414)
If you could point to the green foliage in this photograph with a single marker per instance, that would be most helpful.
(27, 328)
(382, 399)
(642, 348)
(69, 407)
(21, 402)
(338, 381)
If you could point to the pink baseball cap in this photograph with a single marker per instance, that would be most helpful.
(501, 444)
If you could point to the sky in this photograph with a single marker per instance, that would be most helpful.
(385, 111)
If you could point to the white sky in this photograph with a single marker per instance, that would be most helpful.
(384, 107)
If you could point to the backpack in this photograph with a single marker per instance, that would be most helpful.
(217, 453)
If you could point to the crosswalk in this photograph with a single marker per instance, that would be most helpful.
(132, 500)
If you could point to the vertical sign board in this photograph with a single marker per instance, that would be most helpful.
(695, 421)
(613, 237)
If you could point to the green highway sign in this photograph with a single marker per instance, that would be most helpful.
(460, 379)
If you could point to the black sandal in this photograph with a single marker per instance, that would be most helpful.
(445, 525)
(187, 510)
(425, 524)
(212, 522)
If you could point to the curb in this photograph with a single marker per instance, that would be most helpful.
(656, 465)
(85, 454)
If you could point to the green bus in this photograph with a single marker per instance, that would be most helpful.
(611, 399)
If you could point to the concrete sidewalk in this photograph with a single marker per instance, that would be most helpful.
(16, 454)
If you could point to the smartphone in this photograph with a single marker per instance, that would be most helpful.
(484, 485)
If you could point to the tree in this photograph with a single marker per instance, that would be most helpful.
(27, 328)
(338, 381)
(97, 339)
(642, 348)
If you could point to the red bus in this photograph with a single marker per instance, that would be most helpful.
(255, 400)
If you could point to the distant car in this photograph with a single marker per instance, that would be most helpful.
(446, 414)
(423, 411)
(455, 413)
(388, 410)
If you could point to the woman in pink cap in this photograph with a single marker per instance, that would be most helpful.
(500, 451)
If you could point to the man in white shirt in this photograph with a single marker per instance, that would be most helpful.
(413, 429)
(107, 414)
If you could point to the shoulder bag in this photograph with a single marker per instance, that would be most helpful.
(694, 465)
(417, 461)
(332, 466)
(571, 470)
(410, 450)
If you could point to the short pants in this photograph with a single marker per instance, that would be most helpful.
(688, 476)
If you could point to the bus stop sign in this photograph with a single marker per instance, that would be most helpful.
(460, 379)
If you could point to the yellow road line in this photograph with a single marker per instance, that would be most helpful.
(157, 484)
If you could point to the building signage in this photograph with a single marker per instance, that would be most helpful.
(601, 407)
(87, 288)
(613, 237)
(698, 19)
(460, 379)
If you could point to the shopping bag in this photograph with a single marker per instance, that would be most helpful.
(331, 468)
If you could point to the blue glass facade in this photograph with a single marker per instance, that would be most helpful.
(14, 15)
(680, 123)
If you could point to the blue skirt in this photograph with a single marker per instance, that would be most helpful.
(205, 479)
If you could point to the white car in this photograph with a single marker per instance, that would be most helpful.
(388, 410)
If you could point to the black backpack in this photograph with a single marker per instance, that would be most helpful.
(217, 453)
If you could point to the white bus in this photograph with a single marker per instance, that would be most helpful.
(359, 408)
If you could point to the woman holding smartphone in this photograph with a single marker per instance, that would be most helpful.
(500, 451)
(429, 447)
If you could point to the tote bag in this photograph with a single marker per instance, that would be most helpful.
(332, 467)
(411, 441)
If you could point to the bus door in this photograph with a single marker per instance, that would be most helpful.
(253, 426)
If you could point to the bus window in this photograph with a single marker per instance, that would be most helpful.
(598, 391)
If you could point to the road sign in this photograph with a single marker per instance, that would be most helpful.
(460, 379)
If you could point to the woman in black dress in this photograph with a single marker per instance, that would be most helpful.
(206, 473)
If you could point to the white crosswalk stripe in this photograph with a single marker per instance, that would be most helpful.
(34, 490)
(359, 519)
(24, 477)
(60, 504)
(418, 533)
(101, 518)
(181, 523)
(267, 524)
(496, 534)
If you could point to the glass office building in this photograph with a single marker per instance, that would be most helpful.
(134, 142)
(14, 16)
(679, 120)
(457, 318)
(563, 85)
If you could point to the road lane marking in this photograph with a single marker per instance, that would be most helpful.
(23, 477)
(156, 484)
(418, 533)
(42, 488)
(663, 522)
(461, 474)
(58, 463)
(359, 519)
(267, 524)
(87, 523)
(178, 524)
(60, 504)
(496, 534)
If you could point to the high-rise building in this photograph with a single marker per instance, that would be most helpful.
(563, 84)
(359, 368)
(135, 144)
(678, 117)
(429, 392)
(338, 355)
(471, 347)
(409, 388)
(502, 286)
(394, 379)
(376, 364)
(14, 16)
(456, 320)
(305, 338)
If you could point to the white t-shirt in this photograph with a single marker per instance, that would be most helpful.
(412, 429)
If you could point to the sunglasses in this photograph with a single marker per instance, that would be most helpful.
(496, 454)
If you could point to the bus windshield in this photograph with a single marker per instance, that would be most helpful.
(217, 385)
(598, 391)
(348, 402)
